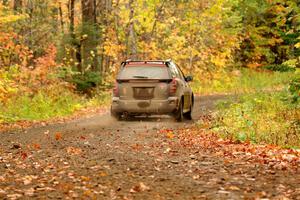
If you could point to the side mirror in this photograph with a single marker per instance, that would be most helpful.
(188, 78)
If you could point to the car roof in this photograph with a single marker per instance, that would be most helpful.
(142, 65)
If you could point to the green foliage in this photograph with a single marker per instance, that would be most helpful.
(260, 118)
(7, 86)
(241, 81)
(100, 98)
(47, 103)
(83, 82)
(294, 89)
(53, 102)
(279, 68)
(86, 81)
(270, 32)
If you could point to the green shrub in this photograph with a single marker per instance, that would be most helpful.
(50, 102)
(279, 68)
(260, 118)
(83, 82)
(294, 89)
(86, 81)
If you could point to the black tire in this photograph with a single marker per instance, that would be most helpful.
(188, 115)
(115, 115)
(179, 113)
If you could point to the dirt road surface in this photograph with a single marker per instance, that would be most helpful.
(100, 158)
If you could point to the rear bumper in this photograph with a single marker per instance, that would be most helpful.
(167, 106)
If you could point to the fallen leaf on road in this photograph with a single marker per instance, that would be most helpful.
(139, 188)
(36, 146)
(272, 156)
(223, 192)
(195, 177)
(45, 189)
(74, 150)
(14, 196)
(88, 193)
(28, 179)
(234, 188)
(102, 174)
(29, 192)
(170, 135)
(167, 150)
(136, 147)
(85, 178)
(24, 155)
(58, 136)
(16, 146)
(144, 187)
(135, 189)
(82, 137)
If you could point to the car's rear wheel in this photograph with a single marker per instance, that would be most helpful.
(116, 115)
(179, 113)
(188, 115)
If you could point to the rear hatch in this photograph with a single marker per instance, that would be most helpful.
(144, 82)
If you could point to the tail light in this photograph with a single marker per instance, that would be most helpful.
(116, 89)
(173, 86)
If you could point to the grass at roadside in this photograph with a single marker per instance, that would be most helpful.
(260, 118)
(266, 110)
(47, 104)
(242, 81)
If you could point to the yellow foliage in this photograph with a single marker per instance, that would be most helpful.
(8, 17)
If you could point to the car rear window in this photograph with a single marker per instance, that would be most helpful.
(144, 72)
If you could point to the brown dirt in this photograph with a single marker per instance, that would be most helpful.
(100, 158)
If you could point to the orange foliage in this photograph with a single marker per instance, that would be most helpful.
(44, 65)
(48, 60)
(12, 51)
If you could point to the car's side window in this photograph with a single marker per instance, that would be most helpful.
(180, 73)
(174, 70)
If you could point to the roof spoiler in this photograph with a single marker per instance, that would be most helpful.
(146, 61)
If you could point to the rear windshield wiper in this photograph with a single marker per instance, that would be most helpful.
(140, 77)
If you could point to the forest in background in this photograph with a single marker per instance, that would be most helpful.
(59, 56)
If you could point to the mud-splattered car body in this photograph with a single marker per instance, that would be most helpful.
(152, 87)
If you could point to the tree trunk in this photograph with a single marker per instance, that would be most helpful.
(158, 12)
(30, 11)
(105, 19)
(61, 18)
(76, 44)
(89, 34)
(88, 11)
(71, 17)
(132, 46)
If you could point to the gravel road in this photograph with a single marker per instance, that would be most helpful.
(100, 158)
